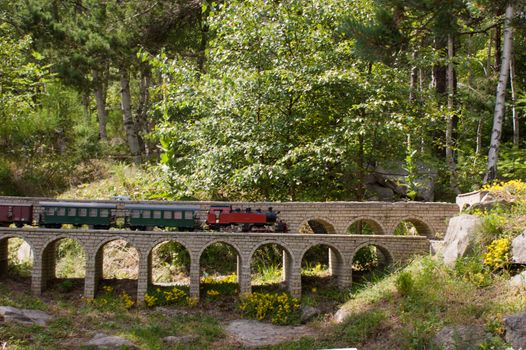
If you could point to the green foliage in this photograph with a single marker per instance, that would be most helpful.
(360, 327)
(404, 283)
(166, 296)
(366, 258)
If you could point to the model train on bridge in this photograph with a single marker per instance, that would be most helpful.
(103, 216)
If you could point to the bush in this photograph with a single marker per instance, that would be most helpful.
(405, 283)
(498, 255)
(166, 296)
(278, 308)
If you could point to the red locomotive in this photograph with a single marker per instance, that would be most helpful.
(18, 214)
(224, 217)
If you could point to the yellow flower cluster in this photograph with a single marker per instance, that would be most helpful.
(279, 308)
(497, 256)
(165, 297)
(150, 300)
(512, 188)
(107, 289)
(232, 278)
(126, 300)
(212, 293)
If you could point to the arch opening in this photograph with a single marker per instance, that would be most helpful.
(316, 226)
(220, 265)
(170, 264)
(270, 266)
(16, 259)
(365, 227)
(117, 267)
(321, 268)
(64, 265)
(413, 227)
(369, 260)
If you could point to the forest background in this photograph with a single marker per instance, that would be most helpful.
(275, 100)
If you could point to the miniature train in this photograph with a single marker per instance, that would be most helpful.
(140, 217)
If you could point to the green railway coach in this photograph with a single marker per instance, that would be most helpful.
(95, 215)
(145, 217)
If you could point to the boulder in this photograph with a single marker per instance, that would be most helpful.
(23, 316)
(519, 281)
(109, 342)
(459, 337)
(516, 330)
(342, 314)
(308, 312)
(518, 249)
(255, 333)
(181, 340)
(460, 237)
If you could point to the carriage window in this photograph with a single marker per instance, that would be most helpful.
(61, 212)
(156, 214)
(104, 213)
(167, 214)
(178, 215)
(135, 214)
(93, 213)
(146, 214)
(83, 212)
(50, 211)
(72, 211)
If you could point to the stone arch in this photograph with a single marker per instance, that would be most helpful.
(388, 256)
(336, 262)
(50, 260)
(317, 225)
(422, 228)
(290, 270)
(375, 225)
(128, 284)
(160, 242)
(220, 272)
(4, 252)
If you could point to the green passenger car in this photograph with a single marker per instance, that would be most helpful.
(145, 217)
(96, 215)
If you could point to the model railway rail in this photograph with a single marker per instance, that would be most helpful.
(144, 217)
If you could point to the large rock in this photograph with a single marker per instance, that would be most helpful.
(255, 333)
(23, 316)
(460, 337)
(518, 249)
(180, 340)
(516, 330)
(308, 312)
(519, 281)
(460, 237)
(109, 342)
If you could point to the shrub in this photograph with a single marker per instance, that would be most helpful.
(110, 300)
(278, 308)
(405, 283)
(166, 296)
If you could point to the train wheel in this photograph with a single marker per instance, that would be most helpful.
(19, 224)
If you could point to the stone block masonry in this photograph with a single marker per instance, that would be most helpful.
(342, 250)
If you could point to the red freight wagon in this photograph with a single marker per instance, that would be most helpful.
(18, 214)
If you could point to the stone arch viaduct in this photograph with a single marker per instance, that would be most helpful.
(430, 220)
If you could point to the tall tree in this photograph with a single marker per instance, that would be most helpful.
(498, 116)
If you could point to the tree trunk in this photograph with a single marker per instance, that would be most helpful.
(478, 148)
(129, 125)
(450, 158)
(498, 46)
(413, 80)
(143, 124)
(515, 115)
(100, 101)
(498, 116)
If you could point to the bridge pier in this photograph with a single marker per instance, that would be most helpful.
(144, 278)
(194, 276)
(48, 264)
(90, 280)
(244, 275)
(4, 255)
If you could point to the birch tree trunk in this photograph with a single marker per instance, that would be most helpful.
(142, 122)
(450, 158)
(129, 125)
(413, 79)
(100, 101)
(515, 115)
(498, 116)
